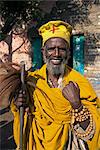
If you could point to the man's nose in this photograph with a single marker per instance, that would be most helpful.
(57, 51)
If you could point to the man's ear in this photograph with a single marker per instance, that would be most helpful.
(43, 50)
(69, 54)
(43, 54)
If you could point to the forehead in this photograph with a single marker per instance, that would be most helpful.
(56, 42)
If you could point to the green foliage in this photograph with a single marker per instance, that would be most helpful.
(16, 13)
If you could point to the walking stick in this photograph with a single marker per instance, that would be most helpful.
(22, 108)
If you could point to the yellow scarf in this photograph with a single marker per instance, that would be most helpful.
(51, 122)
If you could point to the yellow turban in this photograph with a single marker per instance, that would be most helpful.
(57, 28)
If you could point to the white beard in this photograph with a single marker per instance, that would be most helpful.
(56, 70)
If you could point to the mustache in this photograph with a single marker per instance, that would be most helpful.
(58, 58)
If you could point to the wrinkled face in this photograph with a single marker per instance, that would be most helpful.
(56, 55)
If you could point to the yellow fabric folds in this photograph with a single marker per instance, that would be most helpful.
(48, 130)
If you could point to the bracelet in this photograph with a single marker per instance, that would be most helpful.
(80, 116)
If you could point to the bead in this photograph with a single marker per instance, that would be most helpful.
(76, 115)
(81, 112)
(76, 110)
(73, 119)
(83, 115)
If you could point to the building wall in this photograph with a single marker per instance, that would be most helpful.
(92, 45)
(92, 48)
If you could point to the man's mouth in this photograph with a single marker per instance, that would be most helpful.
(56, 61)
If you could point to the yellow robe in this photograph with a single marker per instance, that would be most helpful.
(48, 129)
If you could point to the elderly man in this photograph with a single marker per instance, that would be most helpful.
(65, 115)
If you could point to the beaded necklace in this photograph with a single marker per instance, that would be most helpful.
(51, 84)
(58, 85)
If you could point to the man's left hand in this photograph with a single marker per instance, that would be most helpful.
(72, 93)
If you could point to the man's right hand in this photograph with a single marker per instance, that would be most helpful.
(21, 100)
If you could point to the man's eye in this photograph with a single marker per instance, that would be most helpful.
(51, 48)
(62, 49)
(54, 48)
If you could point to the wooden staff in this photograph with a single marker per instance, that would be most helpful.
(22, 64)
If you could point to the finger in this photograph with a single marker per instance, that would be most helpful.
(19, 104)
(23, 96)
(24, 92)
(20, 96)
(73, 84)
(65, 91)
(20, 91)
(76, 84)
(21, 101)
(27, 109)
(68, 88)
